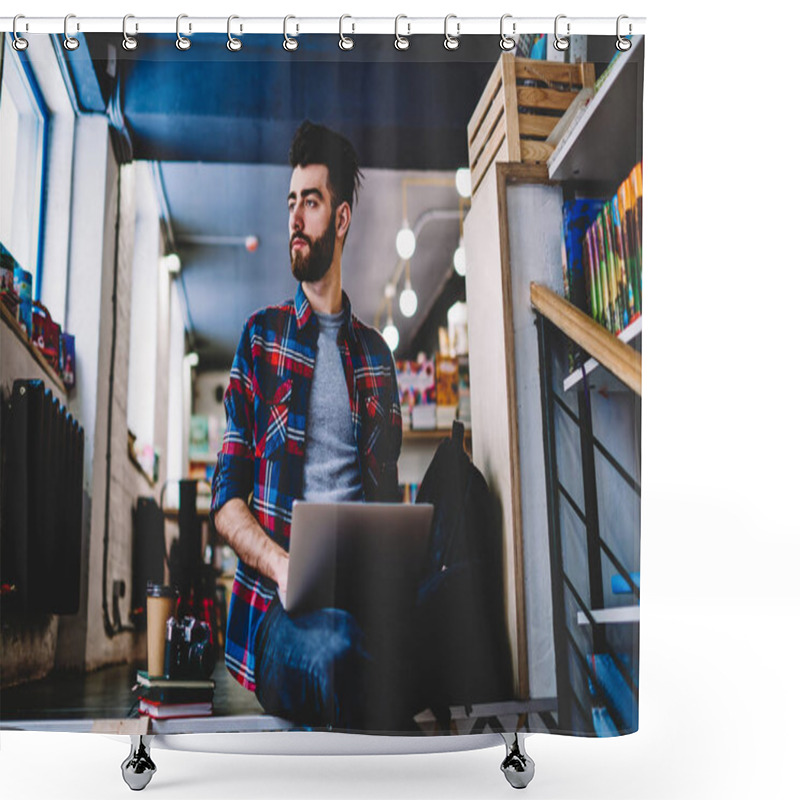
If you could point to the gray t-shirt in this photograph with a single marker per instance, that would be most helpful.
(332, 472)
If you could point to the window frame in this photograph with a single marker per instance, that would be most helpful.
(19, 61)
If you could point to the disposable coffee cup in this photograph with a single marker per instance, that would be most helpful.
(160, 607)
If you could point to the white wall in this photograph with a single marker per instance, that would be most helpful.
(146, 309)
(176, 450)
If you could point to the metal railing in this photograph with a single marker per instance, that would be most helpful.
(582, 689)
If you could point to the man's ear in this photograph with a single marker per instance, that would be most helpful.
(343, 219)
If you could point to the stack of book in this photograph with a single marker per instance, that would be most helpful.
(602, 254)
(163, 698)
(446, 390)
(416, 383)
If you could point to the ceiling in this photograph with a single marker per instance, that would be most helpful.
(219, 124)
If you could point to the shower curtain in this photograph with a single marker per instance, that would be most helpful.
(340, 270)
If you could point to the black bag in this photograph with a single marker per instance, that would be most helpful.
(464, 650)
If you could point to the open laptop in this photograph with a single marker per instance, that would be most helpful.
(365, 558)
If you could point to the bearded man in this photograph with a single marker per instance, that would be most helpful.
(313, 414)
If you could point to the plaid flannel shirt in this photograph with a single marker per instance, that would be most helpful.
(263, 449)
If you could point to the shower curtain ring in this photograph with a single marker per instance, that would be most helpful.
(345, 42)
(401, 42)
(233, 44)
(17, 41)
(182, 43)
(561, 43)
(70, 42)
(288, 42)
(622, 43)
(451, 42)
(128, 42)
(506, 42)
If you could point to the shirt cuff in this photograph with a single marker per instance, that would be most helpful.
(233, 477)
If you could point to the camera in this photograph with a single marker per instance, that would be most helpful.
(189, 652)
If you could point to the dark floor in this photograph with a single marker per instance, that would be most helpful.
(106, 694)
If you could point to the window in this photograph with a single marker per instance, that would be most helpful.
(23, 128)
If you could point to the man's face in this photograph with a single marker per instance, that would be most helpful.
(312, 223)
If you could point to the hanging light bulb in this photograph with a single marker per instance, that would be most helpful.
(460, 258)
(406, 242)
(463, 182)
(172, 262)
(390, 334)
(408, 297)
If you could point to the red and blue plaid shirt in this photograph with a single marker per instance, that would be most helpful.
(263, 450)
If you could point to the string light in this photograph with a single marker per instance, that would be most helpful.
(172, 262)
(406, 242)
(463, 182)
(408, 297)
(460, 258)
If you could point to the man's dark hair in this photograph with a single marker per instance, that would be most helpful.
(316, 144)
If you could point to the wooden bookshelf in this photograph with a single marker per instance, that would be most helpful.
(8, 319)
(514, 233)
(596, 147)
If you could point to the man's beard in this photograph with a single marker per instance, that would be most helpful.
(313, 265)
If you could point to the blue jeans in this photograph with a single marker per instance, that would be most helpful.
(320, 669)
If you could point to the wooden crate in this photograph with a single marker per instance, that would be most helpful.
(521, 106)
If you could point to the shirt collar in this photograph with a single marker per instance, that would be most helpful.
(304, 312)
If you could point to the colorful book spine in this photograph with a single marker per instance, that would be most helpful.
(613, 273)
(625, 216)
(636, 180)
(577, 215)
(594, 273)
(602, 260)
(619, 249)
(603, 267)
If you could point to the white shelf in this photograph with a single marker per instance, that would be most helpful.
(604, 379)
(611, 616)
(598, 146)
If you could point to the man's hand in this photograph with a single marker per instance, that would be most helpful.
(282, 575)
(240, 529)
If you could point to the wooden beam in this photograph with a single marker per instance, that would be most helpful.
(537, 125)
(618, 358)
(531, 97)
(511, 106)
(536, 151)
(521, 632)
(486, 158)
(492, 119)
(555, 72)
(493, 86)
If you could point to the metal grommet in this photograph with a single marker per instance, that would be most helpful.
(622, 43)
(17, 42)
(401, 42)
(451, 42)
(233, 44)
(70, 42)
(182, 43)
(561, 43)
(345, 42)
(288, 42)
(506, 42)
(128, 42)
